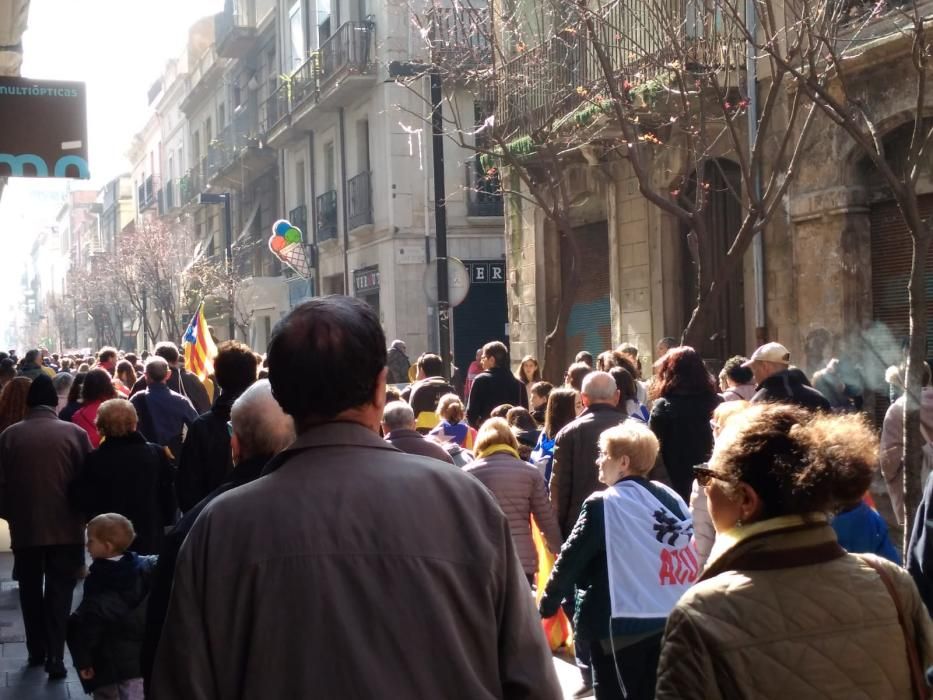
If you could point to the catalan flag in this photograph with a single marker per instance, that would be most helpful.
(199, 346)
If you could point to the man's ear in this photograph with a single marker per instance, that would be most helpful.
(169, 375)
(379, 393)
(235, 447)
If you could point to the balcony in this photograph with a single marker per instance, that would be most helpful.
(146, 194)
(327, 216)
(273, 111)
(461, 40)
(202, 79)
(541, 86)
(235, 29)
(238, 144)
(189, 186)
(348, 50)
(360, 201)
(299, 219)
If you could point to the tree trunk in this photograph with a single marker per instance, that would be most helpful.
(913, 440)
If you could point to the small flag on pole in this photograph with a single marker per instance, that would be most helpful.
(199, 346)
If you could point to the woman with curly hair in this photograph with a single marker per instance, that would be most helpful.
(684, 395)
(13, 401)
(781, 609)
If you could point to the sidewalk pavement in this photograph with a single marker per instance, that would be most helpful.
(17, 682)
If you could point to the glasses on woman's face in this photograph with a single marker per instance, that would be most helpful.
(230, 428)
(704, 475)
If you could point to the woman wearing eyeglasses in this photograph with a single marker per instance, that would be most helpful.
(630, 557)
(781, 610)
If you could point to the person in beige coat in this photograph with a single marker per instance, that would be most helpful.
(892, 442)
(781, 610)
(518, 487)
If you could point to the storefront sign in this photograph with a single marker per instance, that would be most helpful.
(486, 272)
(43, 128)
(366, 281)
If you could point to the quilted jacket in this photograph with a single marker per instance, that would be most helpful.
(520, 491)
(823, 629)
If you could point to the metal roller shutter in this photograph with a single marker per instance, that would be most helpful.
(891, 258)
(589, 326)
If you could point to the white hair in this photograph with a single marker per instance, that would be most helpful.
(260, 424)
(599, 387)
(398, 415)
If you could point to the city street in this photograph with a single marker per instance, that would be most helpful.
(17, 682)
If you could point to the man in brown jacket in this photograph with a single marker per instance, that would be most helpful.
(39, 457)
(350, 569)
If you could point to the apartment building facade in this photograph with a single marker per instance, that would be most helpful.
(356, 171)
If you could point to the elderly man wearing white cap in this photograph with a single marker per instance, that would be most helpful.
(778, 382)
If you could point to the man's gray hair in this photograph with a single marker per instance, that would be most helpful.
(62, 382)
(398, 415)
(156, 369)
(599, 387)
(261, 426)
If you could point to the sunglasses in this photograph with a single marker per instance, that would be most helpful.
(704, 475)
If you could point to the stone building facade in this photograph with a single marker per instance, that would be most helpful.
(834, 254)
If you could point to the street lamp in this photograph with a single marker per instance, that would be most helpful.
(224, 198)
(398, 69)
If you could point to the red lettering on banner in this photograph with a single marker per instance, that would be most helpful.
(678, 566)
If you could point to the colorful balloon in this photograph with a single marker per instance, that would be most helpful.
(293, 235)
(276, 243)
(280, 227)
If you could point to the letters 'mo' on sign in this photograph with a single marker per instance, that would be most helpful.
(43, 128)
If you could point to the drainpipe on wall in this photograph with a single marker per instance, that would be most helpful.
(344, 205)
(311, 233)
(751, 65)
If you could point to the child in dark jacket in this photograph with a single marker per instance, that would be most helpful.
(105, 633)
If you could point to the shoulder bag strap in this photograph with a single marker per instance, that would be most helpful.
(917, 677)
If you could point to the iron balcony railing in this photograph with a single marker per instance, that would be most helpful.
(274, 108)
(461, 38)
(189, 186)
(349, 48)
(327, 216)
(233, 22)
(299, 219)
(545, 83)
(240, 133)
(360, 201)
(146, 194)
(304, 81)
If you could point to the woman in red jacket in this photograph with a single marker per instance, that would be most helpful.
(98, 387)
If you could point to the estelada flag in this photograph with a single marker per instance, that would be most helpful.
(199, 346)
(556, 628)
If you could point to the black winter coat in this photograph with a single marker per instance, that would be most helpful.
(681, 423)
(492, 388)
(106, 631)
(574, 474)
(206, 461)
(785, 387)
(132, 477)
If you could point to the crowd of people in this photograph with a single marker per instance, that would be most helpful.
(331, 519)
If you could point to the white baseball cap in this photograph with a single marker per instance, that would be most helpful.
(770, 352)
